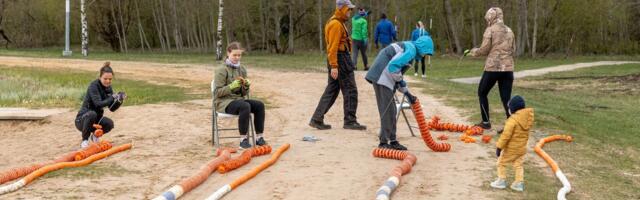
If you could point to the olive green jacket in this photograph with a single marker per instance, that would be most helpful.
(224, 95)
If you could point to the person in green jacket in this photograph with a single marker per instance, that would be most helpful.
(231, 89)
(359, 35)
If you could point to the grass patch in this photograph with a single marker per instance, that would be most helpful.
(444, 66)
(598, 106)
(91, 171)
(37, 87)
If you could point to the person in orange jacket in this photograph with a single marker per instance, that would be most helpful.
(341, 75)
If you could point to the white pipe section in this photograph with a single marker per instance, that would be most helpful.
(12, 187)
(566, 186)
(220, 192)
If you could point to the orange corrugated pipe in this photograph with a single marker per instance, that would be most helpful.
(243, 159)
(244, 178)
(451, 127)
(16, 173)
(408, 160)
(566, 186)
(53, 167)
(188, 184)
(92, 149)
(424, 130)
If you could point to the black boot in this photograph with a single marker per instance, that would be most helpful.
(397, 146)
(355, 126)
(484, 125)
(319, 125)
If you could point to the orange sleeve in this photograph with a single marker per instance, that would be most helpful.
(333, 34)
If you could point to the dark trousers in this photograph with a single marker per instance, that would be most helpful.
(85, 122)
(387, 110)
(243, 108)
(346, 83)
(415, 65)
(360, 46)
(489, 79)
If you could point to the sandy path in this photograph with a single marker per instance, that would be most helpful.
(172, 141)
(542, 71)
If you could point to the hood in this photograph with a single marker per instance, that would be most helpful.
(341, 13)
(524, 118)
(494, 15)
(424, 46)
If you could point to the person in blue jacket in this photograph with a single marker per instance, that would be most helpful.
(385, 32)
(386, 76)
(419, 31)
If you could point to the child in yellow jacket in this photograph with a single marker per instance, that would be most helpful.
(512, 145)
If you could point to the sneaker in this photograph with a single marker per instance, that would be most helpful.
(484, 125)
(319, 125)
(384, 146)
(415, 74)
(260, 141)
(355, 126)
(244, 144)
(366, 68)
(517, 186)
(424, 76)
(499, 184)
(397, 146)
(84, 144)
(93, 138)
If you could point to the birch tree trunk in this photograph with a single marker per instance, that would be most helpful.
(219, 33)
(451, 24)
(85, 32)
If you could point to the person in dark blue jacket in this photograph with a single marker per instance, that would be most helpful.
(99, 95)
(385, 32)
(419, 31)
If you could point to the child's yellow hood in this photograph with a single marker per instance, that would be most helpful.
(524, 118)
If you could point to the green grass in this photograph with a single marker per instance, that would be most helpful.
(443, 66)
(91, 171)
(37, 88)
(599, 106)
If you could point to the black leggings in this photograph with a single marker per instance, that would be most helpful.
(85, 122)
(489, 79)
(415, 65)
(244, 108)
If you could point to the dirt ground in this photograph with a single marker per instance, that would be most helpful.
(173, 140)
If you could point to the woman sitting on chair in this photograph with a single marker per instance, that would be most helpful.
(231, 90)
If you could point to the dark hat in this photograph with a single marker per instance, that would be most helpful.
(516, 103)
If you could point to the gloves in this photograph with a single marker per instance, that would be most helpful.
(247, 83)
(115, 96)
(466, 52)
(122, 95)
(402, 83)
(412, 99)
(498, 151)
(234, 85)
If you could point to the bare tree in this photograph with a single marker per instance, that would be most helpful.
(535, 29)
(158, 24)
(522, 31)
(115, 23)
(291, 34)
(320, 31)
(143, 35)
(451, 24)
(177, 37)
(85, 32)
(219, 33)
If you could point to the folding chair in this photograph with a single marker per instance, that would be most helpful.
(402, 105)
(215, 129)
